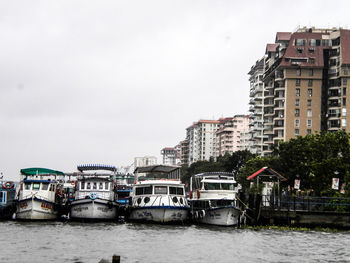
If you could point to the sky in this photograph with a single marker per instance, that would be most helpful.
(106, 81)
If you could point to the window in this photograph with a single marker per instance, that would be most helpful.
(106, 185)
(344, 101)
(296, 132)
(298, 72)
(312, 60)
(82, 185)
(297, 102)
(309, 102)
(100, 186)
(311, 50)
(309, 123)
(309, 92)
(27, 186)
(297, 92)
(176, 191)
(346, 71)
(160, 190)
(309, 113)
(344, 91)
(144, 190)
(345, 81)
(44, 186)
(300, 50)
(36, 186)
(309, 83)
(212, 186)
(296, 123)
(300, 42)
(94, 186)
(2, 197)
(343, 122)
(88, 186)
(308, 131)
(297, 112)
(297, 82)
(312, 42)
(344, 112)
(311, 72)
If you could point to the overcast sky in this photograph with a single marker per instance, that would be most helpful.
(106, 81)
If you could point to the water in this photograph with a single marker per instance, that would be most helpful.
(90, 242)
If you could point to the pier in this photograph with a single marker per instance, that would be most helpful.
(301, 210)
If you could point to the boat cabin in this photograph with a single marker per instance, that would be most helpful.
(101, 187)
(44, 189)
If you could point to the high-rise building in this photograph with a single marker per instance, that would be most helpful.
(170, 155)
(200, 137)
(305, 84)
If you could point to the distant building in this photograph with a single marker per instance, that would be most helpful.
(232, 135)
(200, 137)
(305, 86)
(184, 152)
(170, 155)
(145, 161)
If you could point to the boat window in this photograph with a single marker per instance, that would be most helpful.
(88, 186)
(27, 186)
(172, 190)
(100, 186)
(82, 185)
(95, 186)
(106, 185)
(1, 197)
(44, 186)
(36, 186)
(212, 186)
(179, 191)
(52, 188)
(227, 186)
(162, 190)
(144, 190)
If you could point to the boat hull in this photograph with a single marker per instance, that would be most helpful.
(36, 209)
(159, 214)
(225, 216)
(93, 209)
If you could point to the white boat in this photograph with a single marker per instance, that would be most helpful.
(95, 196)
(37, 198)
(158, 200)
(213, 199)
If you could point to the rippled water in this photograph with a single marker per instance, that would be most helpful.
(90, 242)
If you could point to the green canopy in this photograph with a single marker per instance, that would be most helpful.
(35, 171)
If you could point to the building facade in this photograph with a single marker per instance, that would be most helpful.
(305, 84)
(200, 137)
(171, 155)
(145, 161)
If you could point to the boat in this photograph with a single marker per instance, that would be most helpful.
(38, 197)
(213, 199)
(159, 200)
(96, 195)
(7, 199)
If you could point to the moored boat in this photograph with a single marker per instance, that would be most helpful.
(158, 200)
(37, 197)
(95, 196)
(7, 199)
(213, 199)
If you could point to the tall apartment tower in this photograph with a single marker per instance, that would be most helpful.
(200, 137)
(258, 98)
(305, 84)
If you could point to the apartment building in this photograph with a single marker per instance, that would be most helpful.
(200, 137)
(258, 98)
(232, 135)
(305, 83)
(171, 155)
(145, 161)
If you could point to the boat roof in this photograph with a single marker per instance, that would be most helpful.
(94, 167)
(39, 181)
(159, 182)
(40, 171)
(210, 180)
(156, 169)
(216, 175)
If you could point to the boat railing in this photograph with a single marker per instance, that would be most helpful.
(106, 195)
(33, 195)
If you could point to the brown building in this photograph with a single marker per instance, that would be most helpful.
(305, 84)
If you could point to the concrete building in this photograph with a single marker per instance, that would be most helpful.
(228, 138)
(170, 155)
(258, 98)
(184, 152)
(305, 84)
(145, 161)
(200, 137)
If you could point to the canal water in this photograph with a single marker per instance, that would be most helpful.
(90, 242)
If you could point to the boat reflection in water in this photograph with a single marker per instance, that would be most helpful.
(95, 197)
(159, 199)
(213, 199)
(37, 198)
